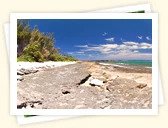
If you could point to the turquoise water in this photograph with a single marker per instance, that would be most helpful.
(145, 63)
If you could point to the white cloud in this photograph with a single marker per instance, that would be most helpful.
(129, 55)
(148, 38)
(111, 46)
(80, 52)
(107, 48)
(104, 34)
(145, 46)
(104, 49)
(140, 37)
(125, 55)
(110, 39)
(130, 43)
(70, 53)
(82, 46)
(135, 51)
(76, 53)
(135, 45)
(129, 50)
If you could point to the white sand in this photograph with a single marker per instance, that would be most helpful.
(44, 65)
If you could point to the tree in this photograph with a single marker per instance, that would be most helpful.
(34, 45)
(23, 35)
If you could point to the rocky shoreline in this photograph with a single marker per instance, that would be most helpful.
(84, 85)
(25, 68)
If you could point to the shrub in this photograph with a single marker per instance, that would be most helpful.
(35, 46)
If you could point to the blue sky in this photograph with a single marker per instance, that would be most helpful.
(109, 39)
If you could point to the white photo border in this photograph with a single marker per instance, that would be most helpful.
(24, 120)
(131, 8)
(13, 64)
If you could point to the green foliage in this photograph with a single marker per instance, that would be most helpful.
(35, 46)
(59, 57)
(23, 31)
(25, 58)
(23, 35)
(69, 58)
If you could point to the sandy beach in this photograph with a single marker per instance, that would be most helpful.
(37, 65)
(83, 85)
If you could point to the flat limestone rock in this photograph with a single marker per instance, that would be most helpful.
(51, 83)
(59, 88)
(20, 78)
(20, 73)
(129, 93)
(96, 82)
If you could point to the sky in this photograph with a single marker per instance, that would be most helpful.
(100, 39)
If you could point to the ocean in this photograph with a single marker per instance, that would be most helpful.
(143, 63)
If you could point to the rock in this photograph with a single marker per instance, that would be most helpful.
(84, 79)
(25, 71)
(29, 107)
(65, 92)
(96, 82)
(121, 84)
(33, 71)
(22, 105)
(20, 73)
(20, 78)
(69, 87)
(37, 105)
(141, 85)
